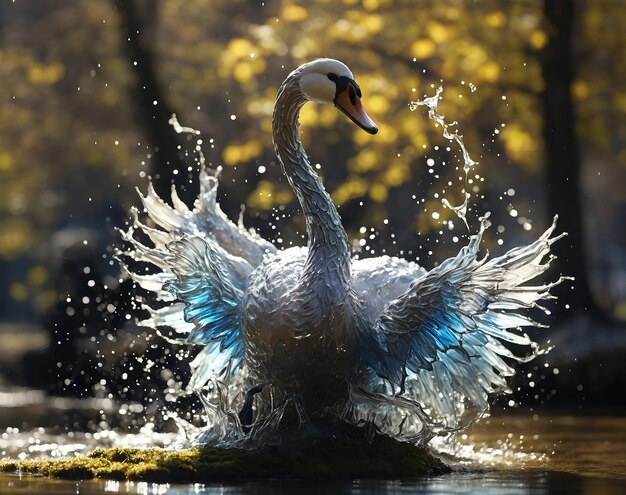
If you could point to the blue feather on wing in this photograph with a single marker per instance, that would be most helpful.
(203, 263)
(443, 342)
(212, 302)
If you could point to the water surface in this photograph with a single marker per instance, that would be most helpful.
(486, 483)
(513, 454)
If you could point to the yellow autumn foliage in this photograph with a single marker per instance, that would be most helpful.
(378, 192)
(423, 48)
(46, 74)
(495, 20)
(353, 187)
(538, 39)
(294, 13)
(268, 194)
(231, 63)
(237, 153)
(520, 145)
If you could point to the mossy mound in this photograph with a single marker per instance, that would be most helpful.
(375, 458)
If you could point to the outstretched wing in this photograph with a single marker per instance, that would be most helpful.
(203, 262)
(212, 303)
(442, 342)
(203, 287)
(207, 219)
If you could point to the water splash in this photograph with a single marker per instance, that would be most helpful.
(221, 380)
(179, 129)
(426, 358)
(48, 443)
(450, 133)
(503, 450)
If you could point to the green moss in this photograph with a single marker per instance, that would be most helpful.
(359, 457)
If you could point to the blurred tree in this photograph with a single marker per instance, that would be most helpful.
(562, 154)
(70, 93)
(66, 137)
(267, 42)
(138, 35)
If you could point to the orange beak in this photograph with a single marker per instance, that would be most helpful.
(348, 102)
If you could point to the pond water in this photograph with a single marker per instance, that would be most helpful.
(513, 454)
(488, 483)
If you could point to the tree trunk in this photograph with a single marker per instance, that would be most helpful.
(562, 155)
(165, 144)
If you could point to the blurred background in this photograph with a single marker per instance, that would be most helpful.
(87, 88)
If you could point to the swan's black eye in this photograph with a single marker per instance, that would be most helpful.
(332, 76)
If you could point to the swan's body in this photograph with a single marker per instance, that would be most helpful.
(377, 340)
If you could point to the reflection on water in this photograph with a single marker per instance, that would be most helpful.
(523, 454)
(484, 483)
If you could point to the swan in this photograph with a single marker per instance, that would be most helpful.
(379, 340)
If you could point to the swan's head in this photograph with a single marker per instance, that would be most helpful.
(329, 81)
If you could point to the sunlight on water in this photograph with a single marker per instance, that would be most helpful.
(507, 451)
(463, 450)
(47, 442)
(587, 446)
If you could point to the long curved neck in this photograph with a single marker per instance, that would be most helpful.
(329, 252)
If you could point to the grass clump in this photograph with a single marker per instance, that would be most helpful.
(360, 456)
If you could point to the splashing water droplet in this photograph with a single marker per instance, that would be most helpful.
(451, 134)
